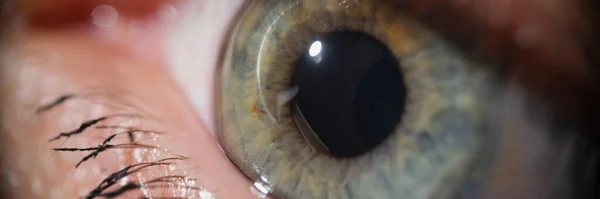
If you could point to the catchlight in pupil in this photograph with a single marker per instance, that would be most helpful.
(351, 93)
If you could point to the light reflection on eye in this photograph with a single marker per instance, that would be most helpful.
(388, 110)
(315, 48)
(315, 51)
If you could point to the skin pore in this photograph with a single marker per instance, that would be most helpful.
(161, 56)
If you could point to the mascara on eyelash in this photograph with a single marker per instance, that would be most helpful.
(105, 144)
(130, 131)
(63, 99)
(167, 181)
(87, 125)
(55, 103)
(124, 103)
(101, 148)
(116, 176)
(150, 184)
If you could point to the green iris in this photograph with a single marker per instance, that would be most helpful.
(429, 154)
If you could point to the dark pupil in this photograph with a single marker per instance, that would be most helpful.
(351, 93)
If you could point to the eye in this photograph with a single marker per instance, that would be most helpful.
(349, 99)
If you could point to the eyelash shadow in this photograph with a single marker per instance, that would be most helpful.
(100, 191)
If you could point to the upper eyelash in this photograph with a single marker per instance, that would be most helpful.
(84, 126)
(100, 191)
(114, 177)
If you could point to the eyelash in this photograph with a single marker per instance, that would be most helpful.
(103, 189)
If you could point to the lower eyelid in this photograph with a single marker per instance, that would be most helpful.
(77, 68)
(35, 77)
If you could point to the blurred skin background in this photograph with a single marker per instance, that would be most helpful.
(163, 54)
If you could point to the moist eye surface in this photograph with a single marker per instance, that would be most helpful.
(349, 99)
(351, 93)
